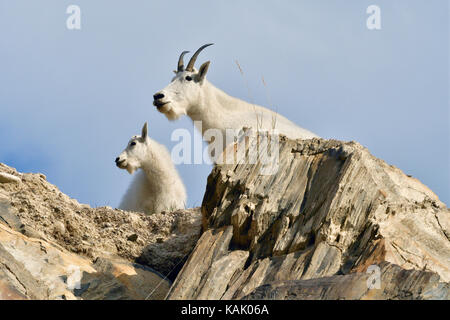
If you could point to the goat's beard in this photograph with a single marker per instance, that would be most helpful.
(172, 116)
(172, 113)
(131, 169)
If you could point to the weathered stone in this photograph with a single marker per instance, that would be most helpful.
(330, 210)
(49, 243)
(212, 247)
(8, 178)
(36, 269)
(121, 280)
(7, 216)
(395, 284)
(39, 210)
(312, 229)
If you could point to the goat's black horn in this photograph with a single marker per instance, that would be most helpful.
(190, 66)
(180, 61)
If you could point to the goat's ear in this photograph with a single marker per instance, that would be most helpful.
(202, 71)
(175, 71)
(144, 131)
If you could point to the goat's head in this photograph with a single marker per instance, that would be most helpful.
(185, 88)
(135, 153)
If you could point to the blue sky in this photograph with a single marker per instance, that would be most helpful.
(71, 99)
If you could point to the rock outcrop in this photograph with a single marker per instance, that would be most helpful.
(394, 283)
(329, 212)
(47, 238)
(331, 222)
(32, 268)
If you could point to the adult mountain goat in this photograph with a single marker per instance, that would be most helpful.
(157, 186)
(191, 94)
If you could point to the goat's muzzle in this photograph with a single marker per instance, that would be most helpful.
(158, 96)
(120, 163)
(157, 100)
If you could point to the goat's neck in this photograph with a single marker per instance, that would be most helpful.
(214, 107)
(156, 169)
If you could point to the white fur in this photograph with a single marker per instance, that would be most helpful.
(202, 101)
(156, 186)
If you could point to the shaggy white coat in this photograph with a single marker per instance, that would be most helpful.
(157, 185)
(202, 101)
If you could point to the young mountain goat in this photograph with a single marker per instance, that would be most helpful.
(155, 188)
(191, 94)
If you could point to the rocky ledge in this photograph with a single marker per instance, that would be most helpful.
(333, 222)
(52, 247)
(332, 214)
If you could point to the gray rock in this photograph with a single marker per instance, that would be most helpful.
(121, 280)
(330, 210)
(39, 210)
(16, 282)
(8, 217)
(313, 229)
(212, 260)
(35, 269)
(395, 284)
(52, 247)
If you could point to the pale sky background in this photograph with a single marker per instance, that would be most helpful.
(70, 100)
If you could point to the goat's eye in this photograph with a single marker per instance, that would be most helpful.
(188, 78)
(133, 143)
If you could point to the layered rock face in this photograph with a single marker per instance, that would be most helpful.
(32, 268)
(331, 213)
(52, 247)
(394, 283)
(325, 220)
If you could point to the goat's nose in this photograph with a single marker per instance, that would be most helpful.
(158, 96)
(117, 159)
